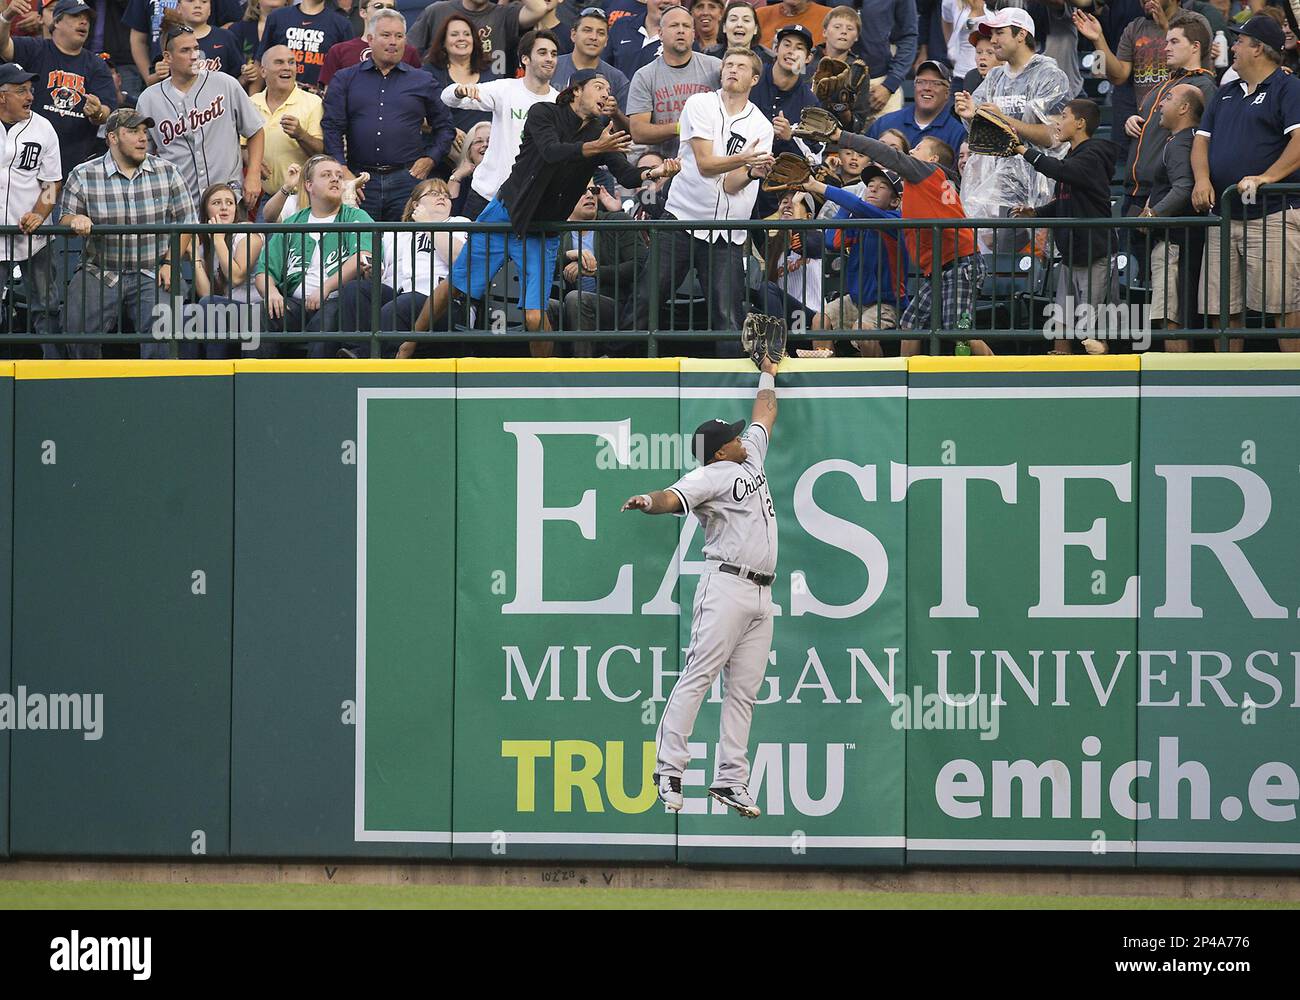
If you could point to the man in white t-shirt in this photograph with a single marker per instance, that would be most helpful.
(509, 101)
(726, 148)
(30, 175)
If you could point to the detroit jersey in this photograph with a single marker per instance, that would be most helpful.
(734, 504)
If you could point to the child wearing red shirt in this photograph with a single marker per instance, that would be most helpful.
(930, 192)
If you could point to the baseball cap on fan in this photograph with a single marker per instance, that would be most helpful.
(933, 64)
(712, 435)
(127, 118)
(71, 7)
(580, 77)
(1007, 17)
(1264, 29)
(799, 31)
(888, 176)
(13, 73)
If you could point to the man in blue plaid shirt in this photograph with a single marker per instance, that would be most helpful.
(123, 276)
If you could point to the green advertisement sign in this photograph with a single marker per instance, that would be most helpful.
(1031, 611)
(1022, 600)
(1218, 709)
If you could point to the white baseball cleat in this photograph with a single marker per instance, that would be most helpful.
(738, 799)
(670, 790)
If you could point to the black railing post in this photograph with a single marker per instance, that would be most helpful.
(1225, 269)
(936, 289)
(376, 272)
(175, 295)
(652, 288)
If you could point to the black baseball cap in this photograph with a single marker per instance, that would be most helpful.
(13, 73)
(798, 30)
(938, 67)
(1264, 29)
(71, 7)
(888, 176)
(712, 435)
(581, 76)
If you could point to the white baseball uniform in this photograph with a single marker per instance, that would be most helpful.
(198, 132)
(731, 624)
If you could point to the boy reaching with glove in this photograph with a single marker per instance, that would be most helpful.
(876, 266)
(930, 192)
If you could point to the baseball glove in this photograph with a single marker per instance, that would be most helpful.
(763, 336)
(826, 174)
(837, 85)
(788, 173)
(817, 124)
(832, 76)
(991, 135)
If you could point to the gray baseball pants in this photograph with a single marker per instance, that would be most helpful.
(731, 628)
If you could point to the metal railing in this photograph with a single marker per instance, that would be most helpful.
(637, 308)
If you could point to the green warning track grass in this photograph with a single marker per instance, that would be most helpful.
(156, 895)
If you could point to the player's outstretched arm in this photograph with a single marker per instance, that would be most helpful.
(657, 502)
(765, 402)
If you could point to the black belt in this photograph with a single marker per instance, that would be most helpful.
(762, 579)
(387, 168)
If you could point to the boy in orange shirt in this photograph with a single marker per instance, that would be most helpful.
(930, 192)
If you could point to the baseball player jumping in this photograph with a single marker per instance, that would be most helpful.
(731, 625)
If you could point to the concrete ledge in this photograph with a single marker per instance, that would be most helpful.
(1271, 887)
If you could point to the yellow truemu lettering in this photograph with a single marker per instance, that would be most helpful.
(526, 752)
(614, 778)
(567, 780)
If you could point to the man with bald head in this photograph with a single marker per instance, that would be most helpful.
(292, 115)
(1176, 256)
(659, 89)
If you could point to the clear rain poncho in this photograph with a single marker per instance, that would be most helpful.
(991, 186)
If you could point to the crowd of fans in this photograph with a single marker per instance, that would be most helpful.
(276, 117)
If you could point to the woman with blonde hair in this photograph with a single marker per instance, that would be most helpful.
(471, 155)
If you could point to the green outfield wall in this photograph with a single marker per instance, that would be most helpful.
(1037, 611)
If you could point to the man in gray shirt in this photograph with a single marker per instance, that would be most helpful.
(198, 118)
(1176, 256)
(660, 89)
